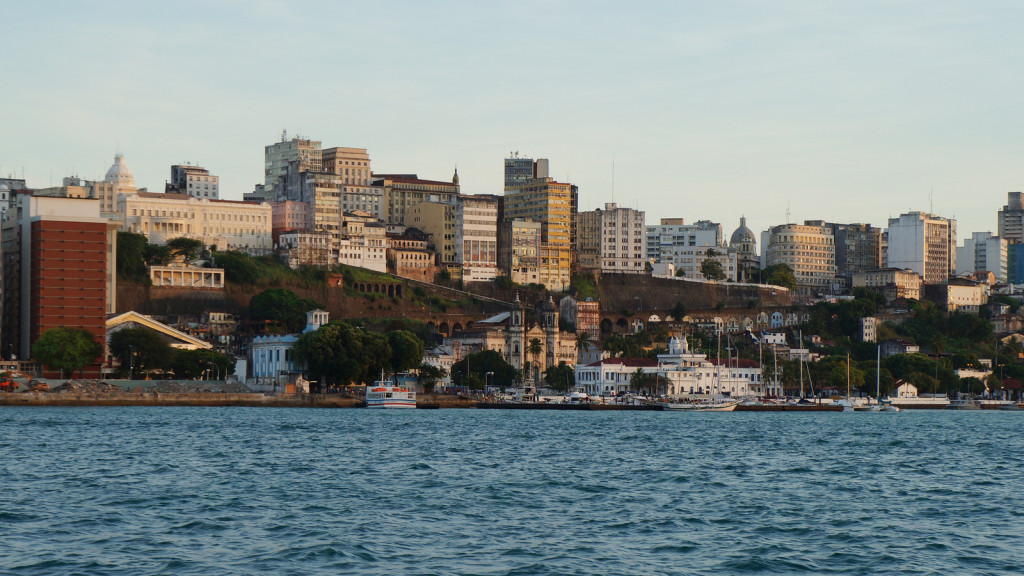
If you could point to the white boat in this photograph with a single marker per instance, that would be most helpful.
(714, 406)
(878, 406)
(386, 394)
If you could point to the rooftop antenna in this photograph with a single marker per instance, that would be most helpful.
(931, 207)
(613, 178)
(284, 135)
(788, 219)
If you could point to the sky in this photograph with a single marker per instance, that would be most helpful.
(777, 111)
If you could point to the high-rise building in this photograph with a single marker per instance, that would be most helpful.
(353, 165)
(554, 205)
(519, 171)
(858, 247)
(476, 236)
(399, 192)
(983, 252)
(1011, 219)
(613, 240)
(924, 243)
(519, 254)
(808, 249)
(65, 270)
(194, 181)
(686, 246)
(295, 155)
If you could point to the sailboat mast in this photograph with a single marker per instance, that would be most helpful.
(800, 362)
(878, 374)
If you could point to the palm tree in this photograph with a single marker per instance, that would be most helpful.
(535, 349)
(638, 380)
(582, 343)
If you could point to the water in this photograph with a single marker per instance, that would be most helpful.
(208, 491)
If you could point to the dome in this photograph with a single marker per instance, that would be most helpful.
(119, 173)
(742, 235)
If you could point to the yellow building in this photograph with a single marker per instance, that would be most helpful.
(554, 205)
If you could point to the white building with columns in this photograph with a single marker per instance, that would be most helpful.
(227, 224)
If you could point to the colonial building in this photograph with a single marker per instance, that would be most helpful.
(224, 224)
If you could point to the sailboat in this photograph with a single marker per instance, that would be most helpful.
(878, 406)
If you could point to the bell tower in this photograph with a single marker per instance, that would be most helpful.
(549, 322)
(516, 336)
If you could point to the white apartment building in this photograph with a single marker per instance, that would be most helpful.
(363, 242)
(924, 243)
(665, 240)
(808, 249)
(306, 155)
(476, 237)
(893, 282)
(194, 181)
(613, 240)
(983, 252)
(225, 224)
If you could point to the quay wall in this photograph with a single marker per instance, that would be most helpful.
(179, 399)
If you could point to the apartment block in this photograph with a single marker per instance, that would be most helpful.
(808, 249)
(476, 237)
(924, 243)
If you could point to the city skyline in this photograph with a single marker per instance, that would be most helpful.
(851, 114)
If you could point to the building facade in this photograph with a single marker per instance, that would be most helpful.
(613, 240)
(983, 252)
(476, 237)
(808, 249)
(924, 243)
(225, 224)
(892, 282)
(194, 181)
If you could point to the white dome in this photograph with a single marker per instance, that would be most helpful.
(119, 173)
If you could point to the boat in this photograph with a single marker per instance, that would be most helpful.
(386, 394)
(879, 405)
(964, 404)
(710, 406)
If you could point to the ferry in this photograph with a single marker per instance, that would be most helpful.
(385, 394)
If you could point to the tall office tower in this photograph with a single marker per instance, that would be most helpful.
(808, 249)
(1011, 219)
(924, 243)
(399, 192)
(858, 247)
(553, 205)
(195, 181)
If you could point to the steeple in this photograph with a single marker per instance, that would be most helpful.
(455, 178)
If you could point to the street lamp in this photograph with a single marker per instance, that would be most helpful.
(486, 376)
(215, 367)
(131, 362)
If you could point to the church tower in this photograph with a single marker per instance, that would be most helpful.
(549, 322)
(515, 344)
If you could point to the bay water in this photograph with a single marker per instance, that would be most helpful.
(209, 491)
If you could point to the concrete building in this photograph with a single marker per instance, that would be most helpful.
(194, 181)
(408, 256)
(666, 241)
(289, 156)
(399, 192)
(1011, 219)
(858, 247)
(891, 282)
(358, 191)
(554, 205)
(363, 242)
(225, 224)
(476, 237)
(271, 361)
(958, 295)
(808, 249)
(118, 180)
(59, 271)
(613, 240)
(289, 216)
(519, 171)
(305, 248)
(924, 243)
(437, 220)
(519, 254)
(983, 252)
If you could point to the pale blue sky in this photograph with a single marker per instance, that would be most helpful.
(849, 112)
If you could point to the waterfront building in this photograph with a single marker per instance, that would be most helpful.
(679, 372)
(59, 271)
(891, 282)
(194, 181)
(983, 252)
(808, 250)
(612, 240)
(476, 236)
(924, 243)
(272, 363)
(224, 224)
(519, 254)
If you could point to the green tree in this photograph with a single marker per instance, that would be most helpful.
(582, 343)
(429, 375)
(338, 353)
(190, 364)
(406, 350)
(66, 349)
(678, 312)
(283, 309)
(712, 270)
(189, 248)
(140, 350)
(131, 257)
(157, 255)
(472, 370)
(680, 273)
(779, 275)
(535, 348)
(560, 378)
(639, 380)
